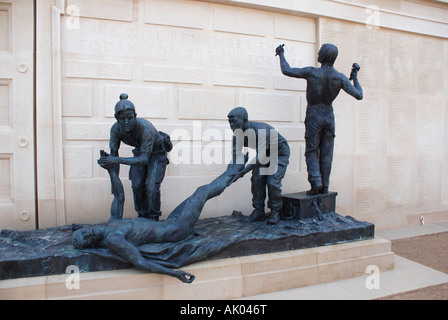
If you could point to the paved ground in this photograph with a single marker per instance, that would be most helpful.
(431, 251)
(421, 271)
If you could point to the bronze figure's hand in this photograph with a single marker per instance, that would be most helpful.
(279, 50)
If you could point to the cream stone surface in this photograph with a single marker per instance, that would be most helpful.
(235, 277)
(185, 64)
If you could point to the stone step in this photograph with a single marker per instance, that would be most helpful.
(229, 278)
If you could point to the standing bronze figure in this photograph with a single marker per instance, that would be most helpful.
(323, 86)
(269, 166)
(150, 156)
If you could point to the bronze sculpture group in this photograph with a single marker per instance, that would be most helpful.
(123, 236)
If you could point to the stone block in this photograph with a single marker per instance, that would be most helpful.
(244, 21)
(295, 28)
(78, 162)
(150, 101)
(77, 100)
(205, 104)
(291, 133)
(188, 14)
(290, 84)
(98, 70)
(88, 130)
(173, 74)
(113, 9)
(238, 79)
(269, 107)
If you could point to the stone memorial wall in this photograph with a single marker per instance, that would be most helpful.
(184, 72)
(396, 136)
(185, 64)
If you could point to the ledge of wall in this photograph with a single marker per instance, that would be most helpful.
(410, 16)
